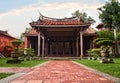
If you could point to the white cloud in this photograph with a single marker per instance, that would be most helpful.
(17, 20)
(53, 6)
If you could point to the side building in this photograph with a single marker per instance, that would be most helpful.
(5, 40)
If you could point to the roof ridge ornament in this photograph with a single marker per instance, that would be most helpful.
(32, 20)
(60, 19)
(45, 18)
(41, 16)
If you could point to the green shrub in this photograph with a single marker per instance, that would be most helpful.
(16, 43)
(29, 52)
(21, 51)
(118, 36)
(95, 52)
(105, 34)
(103, 41)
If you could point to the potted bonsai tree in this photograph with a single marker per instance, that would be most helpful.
(104, 43)
(94, 53)
(15, 52)
(29, 53)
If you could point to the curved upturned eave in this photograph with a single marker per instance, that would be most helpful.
(61, 26)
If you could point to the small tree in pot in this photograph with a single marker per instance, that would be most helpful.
(104, 43)
(29, 53)
(93, 53)
(15, 53)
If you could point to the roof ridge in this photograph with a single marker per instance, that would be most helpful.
(5, 33)
(42, 18)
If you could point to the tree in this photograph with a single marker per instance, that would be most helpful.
(83, 16)
(105, 34)
(104, 38)
(16, 43)
(110, 14)
(118, 36)
(15, 52)
(22, 34)
(103, 41)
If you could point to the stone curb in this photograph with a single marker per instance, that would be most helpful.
(10, 78)
(41, 64)
(107, 76)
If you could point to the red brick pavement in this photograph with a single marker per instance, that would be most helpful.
(60, 72)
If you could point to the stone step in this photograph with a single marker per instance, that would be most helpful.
(60, 58)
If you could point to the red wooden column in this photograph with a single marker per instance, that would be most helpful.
(26, 42)
(73, 48)
(46, 48)
(50, 48)
(77, 46)
(43, 46)
(39, 43)
(81, 44)
(63, 48)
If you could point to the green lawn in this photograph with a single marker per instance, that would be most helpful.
(110, 68)
(3, 75)
(25, 63)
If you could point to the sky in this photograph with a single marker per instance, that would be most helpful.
(15, 15)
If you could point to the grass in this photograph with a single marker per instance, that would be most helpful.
(25, 63)
(3, 75)
(109, 68)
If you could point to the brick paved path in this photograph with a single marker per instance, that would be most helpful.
(60, 72)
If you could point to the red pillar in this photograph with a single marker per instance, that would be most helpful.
(81, 44)
(77, 46)
(39, 43)
(25, 42)
(43, 46)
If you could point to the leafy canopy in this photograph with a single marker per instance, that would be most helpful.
(16, 43)
(104, 38)
(83, 16)
(118, 35)
(105, 34)
(110, 14)
(103, 41)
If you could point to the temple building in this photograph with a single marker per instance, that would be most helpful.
(53, 37)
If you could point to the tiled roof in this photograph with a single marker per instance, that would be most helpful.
(89, 31)
(43, 20)
(46, 22)
(55, 23)
(5, 33)
(32, 32)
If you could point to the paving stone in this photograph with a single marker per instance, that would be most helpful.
(69, 81)
(18, 81)
(62, 72)
(52, 81)
(35, 81)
